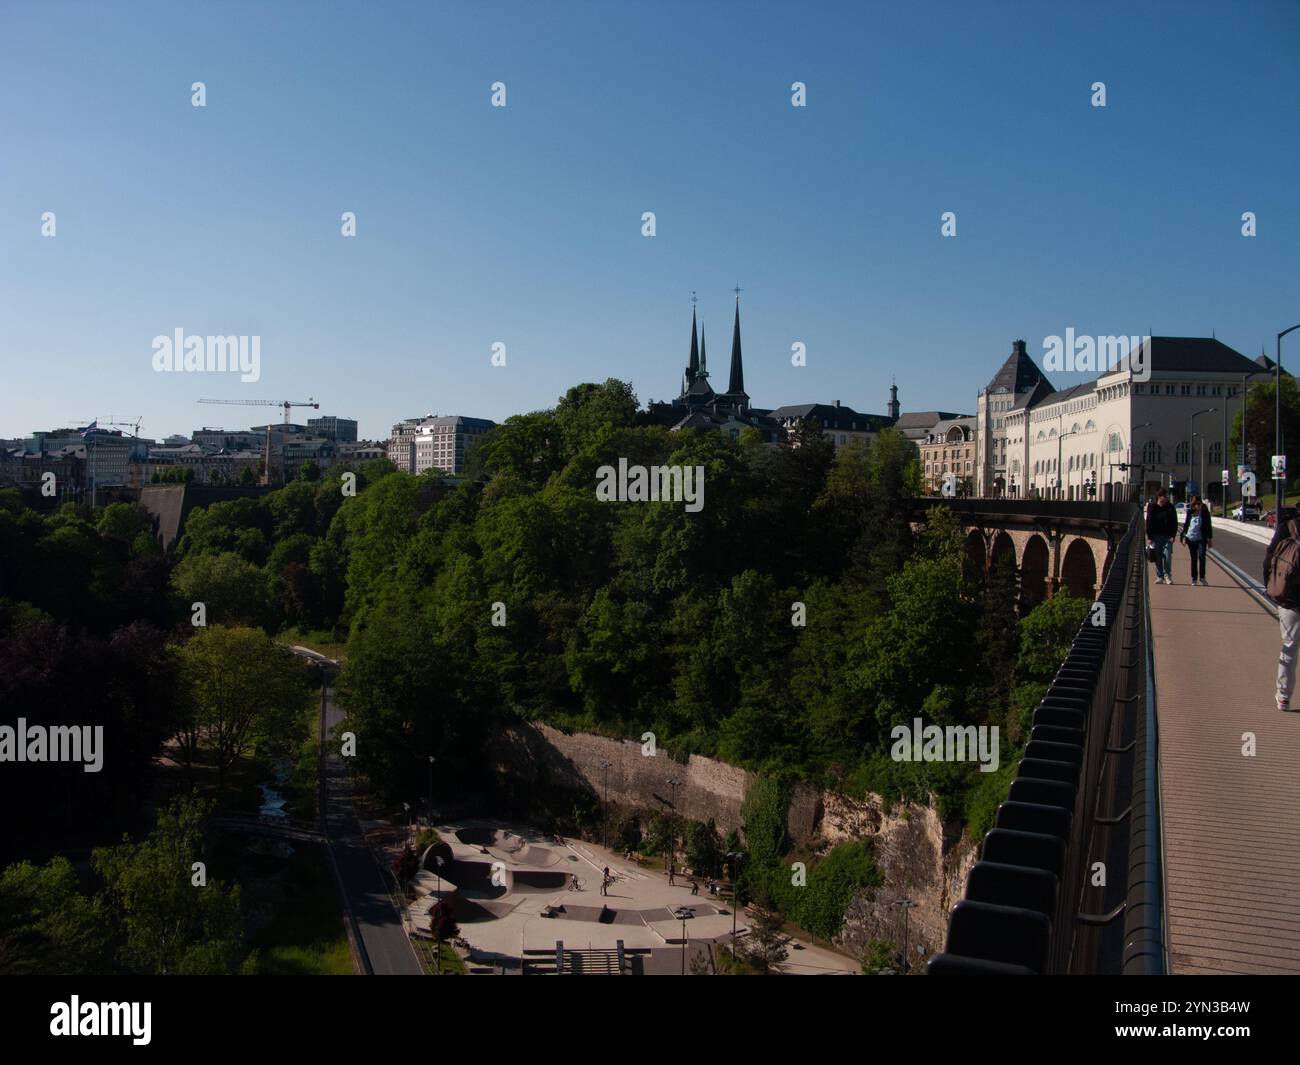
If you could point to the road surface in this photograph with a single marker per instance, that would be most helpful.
(382, 936)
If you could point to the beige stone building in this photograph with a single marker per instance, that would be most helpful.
(949, 446)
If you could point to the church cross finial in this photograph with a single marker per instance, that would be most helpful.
(736, 290)
(694, 298)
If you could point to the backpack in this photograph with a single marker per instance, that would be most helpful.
(1284, 566)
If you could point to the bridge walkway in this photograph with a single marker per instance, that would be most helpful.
(1231, 820)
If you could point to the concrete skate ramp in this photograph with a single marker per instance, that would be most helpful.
(428, 860)
(475, 911)
(474, 879)
(479, 837)
(544, 856)
(490, 837)
(536, 881)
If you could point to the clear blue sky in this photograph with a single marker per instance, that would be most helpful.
(522, 225)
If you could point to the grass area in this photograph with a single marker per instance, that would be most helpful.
(306, 936)
(451, 962)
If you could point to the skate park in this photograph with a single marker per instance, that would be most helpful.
(515, 894)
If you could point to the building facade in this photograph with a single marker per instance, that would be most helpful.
(1120, 436)
(949, 447)
(340, 430)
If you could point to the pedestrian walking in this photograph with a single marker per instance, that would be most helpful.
(1282, 582)
(1197, 533)
(672, 872)
(1162, 525)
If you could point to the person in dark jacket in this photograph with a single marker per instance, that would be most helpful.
(1162, 526)
(1197, 534)
(1288, 614)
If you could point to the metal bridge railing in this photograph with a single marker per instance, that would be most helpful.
(1085, 798)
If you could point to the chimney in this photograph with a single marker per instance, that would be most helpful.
(835, 403)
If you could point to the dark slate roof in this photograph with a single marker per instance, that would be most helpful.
(1268, 364)
(700, 387)
(1198, 355)
(924, 419)
(1019, 373)
(832, 417)
(1034, 396)
(1067, 393)
(941, 429)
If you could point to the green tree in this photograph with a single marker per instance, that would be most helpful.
(168, 924)
(241, 692)
(233, 590)
(47, 927)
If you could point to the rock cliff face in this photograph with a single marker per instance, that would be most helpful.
(922, 858)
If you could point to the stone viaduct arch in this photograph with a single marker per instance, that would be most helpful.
(1052, 544)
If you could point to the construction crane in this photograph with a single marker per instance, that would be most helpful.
(285, 403)
(133, 426)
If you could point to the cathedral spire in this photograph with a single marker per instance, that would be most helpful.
(736, 387)
(693, 367)
(704, 369)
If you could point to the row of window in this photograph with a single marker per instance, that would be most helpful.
(1188, 388)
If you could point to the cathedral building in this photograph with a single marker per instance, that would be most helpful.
(698, 406)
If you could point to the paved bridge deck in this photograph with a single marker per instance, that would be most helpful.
(1231, 822)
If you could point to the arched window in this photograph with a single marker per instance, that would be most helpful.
(1090, 427)
(1216, 453)
(1114, 443)
(1180, 452)
(1152, 453)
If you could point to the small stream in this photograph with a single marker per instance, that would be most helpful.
(272, 800)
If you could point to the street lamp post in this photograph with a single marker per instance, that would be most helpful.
(735, 858)
(1191, 442)
(1279, 482)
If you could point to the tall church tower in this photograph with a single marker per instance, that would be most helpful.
(893, 401)
(736, 394)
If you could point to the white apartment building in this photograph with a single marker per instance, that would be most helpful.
(442, 443)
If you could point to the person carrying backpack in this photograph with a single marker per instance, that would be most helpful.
(1282, 582)
(1197, 534)
(1162, 524)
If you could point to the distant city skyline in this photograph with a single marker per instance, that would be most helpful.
(522, 225)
